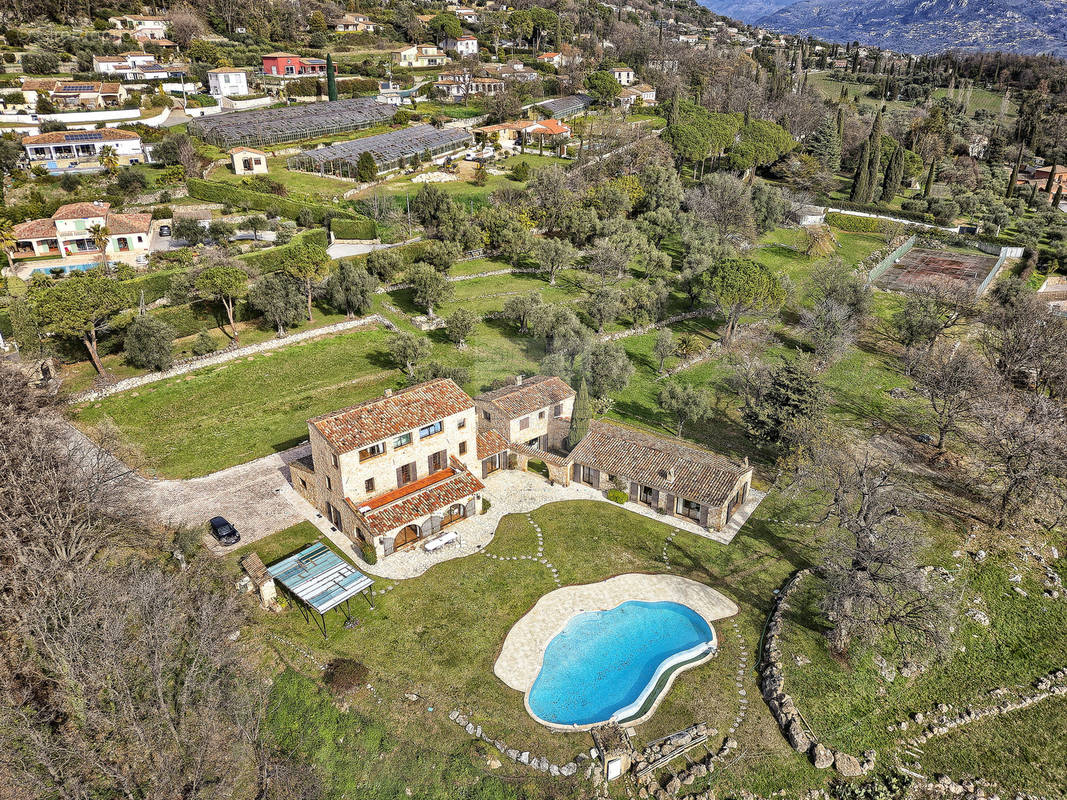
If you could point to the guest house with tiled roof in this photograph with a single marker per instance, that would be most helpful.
(393, 472)
(535, 411)
(666, 474)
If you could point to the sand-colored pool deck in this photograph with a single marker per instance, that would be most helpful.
(523, 652)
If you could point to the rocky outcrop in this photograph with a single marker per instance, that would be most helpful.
(784, 709)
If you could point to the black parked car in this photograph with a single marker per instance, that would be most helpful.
(224, 531)
(164, 230)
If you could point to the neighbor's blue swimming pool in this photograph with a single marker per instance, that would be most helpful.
(606, 664)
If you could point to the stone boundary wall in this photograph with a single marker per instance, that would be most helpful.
(637, 331)
(539, 763)
(230, 354)
(783, 709)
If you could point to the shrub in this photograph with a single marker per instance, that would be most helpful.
(353, 228)
(275, 258)
(204, 344)
(520, 172)
(617, 496)
(850, 222)
(370, 555)
(344, 675)
(148, 344)
(230, 195)
(486, 505)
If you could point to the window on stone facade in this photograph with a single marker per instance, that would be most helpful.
(557, 410)
(462, 424)
(402, 440)
(430, 430)
(463, 448)
(524, 423)
(371, 452)
(336, 462)
(329, 484)
(368, 485)
(540, 414)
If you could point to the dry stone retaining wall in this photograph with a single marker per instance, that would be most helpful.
(782, 706)
(230, 354)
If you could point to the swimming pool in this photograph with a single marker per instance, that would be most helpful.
(613, 664)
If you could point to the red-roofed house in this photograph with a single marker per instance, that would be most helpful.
(68, 232)
(288, 65)
(394, 471)
(527, 133)
(535, 412)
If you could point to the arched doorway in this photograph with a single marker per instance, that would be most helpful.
(407, 536)
(457, 512)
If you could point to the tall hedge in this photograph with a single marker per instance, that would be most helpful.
(275, 258)
(238, 196)
(850, 222)
(353, 229)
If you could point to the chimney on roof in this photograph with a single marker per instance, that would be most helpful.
(671, 475)
(388, 392)
(518, 379)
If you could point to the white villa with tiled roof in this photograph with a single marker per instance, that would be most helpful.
(67, 232)
(393, 473)
(79, 151)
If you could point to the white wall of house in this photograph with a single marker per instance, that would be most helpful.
(227, 84)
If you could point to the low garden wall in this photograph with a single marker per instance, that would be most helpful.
(230, 354)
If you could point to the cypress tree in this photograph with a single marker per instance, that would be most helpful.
(929, 187)
(1051, 175)
(1010, 192)
(1058, 197)
(894, 174)
(583, 412)
(1033, 195)
(331, 79)
(874, 158)
(861, 180)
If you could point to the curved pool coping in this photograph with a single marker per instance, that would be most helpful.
(522, 654)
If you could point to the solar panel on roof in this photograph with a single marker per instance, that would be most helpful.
(84, 137)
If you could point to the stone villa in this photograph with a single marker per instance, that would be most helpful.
(395, 471)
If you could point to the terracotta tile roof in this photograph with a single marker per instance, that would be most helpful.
(554, 126)
(225, 70)
(375, 420)
(531, 395)
(663, 463)
(39, 85)
(119, 224)
(235, 150)
(452, 488)
(281, 55)
(489, 444)
(109, 60)
(36, 229)
(60, 137)
(81, 210)
(400, 492)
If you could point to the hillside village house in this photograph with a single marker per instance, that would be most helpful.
(79, 151)
(624, 75)
(67, 232)
(640, 91)
(395, 471)
(248, 161)
(464, 45)
(667, 475)
(525, 133)
(227, 82)
(465, 14)
(512, 71)
(148, 26)
(354, 23)
(1032, 175)
(532, 412)
(74, 94)
(457, 87)
(288, 65)
(421, 55)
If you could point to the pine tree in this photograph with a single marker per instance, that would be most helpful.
(929, 187)
(894, 174)
(861, 179)
(874, 158)
(583, 412)
(825, 144)
(331, 79)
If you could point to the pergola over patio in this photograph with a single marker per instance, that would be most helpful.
(320, 581)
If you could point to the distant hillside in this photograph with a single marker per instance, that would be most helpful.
(745, 10)
(917, 26)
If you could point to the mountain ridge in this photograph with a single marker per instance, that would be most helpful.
(915, 26)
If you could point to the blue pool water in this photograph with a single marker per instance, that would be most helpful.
(603, 661)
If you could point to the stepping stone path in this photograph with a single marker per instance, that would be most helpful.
(383, 590)
(538, 557)
(742, 667)
(666, 544)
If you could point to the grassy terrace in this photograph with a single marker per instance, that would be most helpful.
(438, 636)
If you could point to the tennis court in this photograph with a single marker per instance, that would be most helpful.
(919, 268)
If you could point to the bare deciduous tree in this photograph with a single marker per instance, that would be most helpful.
(953, 380)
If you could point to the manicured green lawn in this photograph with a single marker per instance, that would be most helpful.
(232, 413)
(437, 636)
(293, 180)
